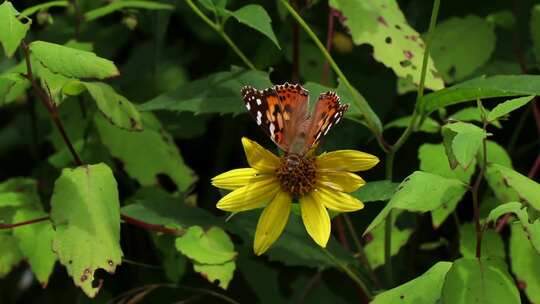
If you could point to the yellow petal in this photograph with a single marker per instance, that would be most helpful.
(258, 157)
(272, 222)
(340, 180)
(346, 160)
(316, 220)
(237, 178)
(336, 200)
(250, 196)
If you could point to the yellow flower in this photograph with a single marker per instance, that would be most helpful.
(318, 182)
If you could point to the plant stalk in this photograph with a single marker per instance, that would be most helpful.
(345, 268)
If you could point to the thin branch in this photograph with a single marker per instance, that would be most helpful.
(348, 271)
(151, 227)
(312, 283)
(29, 222)
(49, 104)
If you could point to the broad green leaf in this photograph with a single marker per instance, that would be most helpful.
(35, 243)
(424, 289)
(85, 210)
(510, 185)
(492, 244)
(43, 7)
(535, 30)
(157, 207)
(217, 93)
(125, 4)
(462, 142)
(161, 156)
(71, 62)
(10, 255)
(376, 191)
(395, 43)
(374, 249)
(422, 192)
(481, 88)
(531, 229)
(294, 247)
(11, 83)
(525, 263)
(217, 272)
(256, 17)
(174, 263)
(508, 106)
(206, 247)
(433, 159)
(476, 40)
(429, 125)
(495, 154)
(19, 192)
(115, 108)
(472, 114)
(484, 281)
(13, 30)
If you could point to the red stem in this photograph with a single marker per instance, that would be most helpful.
(151, 227)
(14, 225)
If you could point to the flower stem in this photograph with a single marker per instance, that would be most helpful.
(219, 29)
(356, 97)
(476, 186)
(29, 222)
(405, 136)
(348, 271)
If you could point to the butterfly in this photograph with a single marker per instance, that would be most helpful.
(282, 112)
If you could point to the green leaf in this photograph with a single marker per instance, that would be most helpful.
(433, 159)
(374, 249)
(161, 156)
(510, 185)
(425, 289)
(118, 5)
(85, 211)
(13, 31)
(217, 272)
(19, 192)
(256, 17)
(525, 263)
(10, 255)
(429, 125)
(43, 7)
(206, 247)
(535, 30)
(508, 106)
(174, 263)
(504, 19)
(481, 88)
(267, 286)
(479, 281)
(376, 191)
(217, 93)
(531, 229)
(495, 154)
(462, 142)
(10, 85)
(472, 114)
(476, 40)
(395, 43)
(422, 192)
(71, 62)
(492, 244)
(35, 243)
(115, 108)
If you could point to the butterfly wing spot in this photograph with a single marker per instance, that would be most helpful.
(259, 116)
(272, 131)
(258, 101)
(248, 106)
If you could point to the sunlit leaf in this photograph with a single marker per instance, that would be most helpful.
(10, 255)
(492, 244)
(223, 273)
(376, 191)
(10, 83)
(424, 289)
(86, 216)
(508, 106)
(525, 263)
(13, 30)
(510, 185)
(483, 281)
(256, 17)
(462, 141)
(395, 43)
(495, 154)
(206, 247)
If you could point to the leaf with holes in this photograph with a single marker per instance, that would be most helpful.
(485, 280)
(115, 108)
(475, 38)
(395, 43)
(223, 273)
(422, 192)
(426, 288)
(161, 156)
(531, 229)
(13, 30)
(525, 263)
(71, 62)
(85, 211)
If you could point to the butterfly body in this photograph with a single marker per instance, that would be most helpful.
(282, 112)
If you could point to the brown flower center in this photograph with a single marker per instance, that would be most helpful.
(297, 174)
